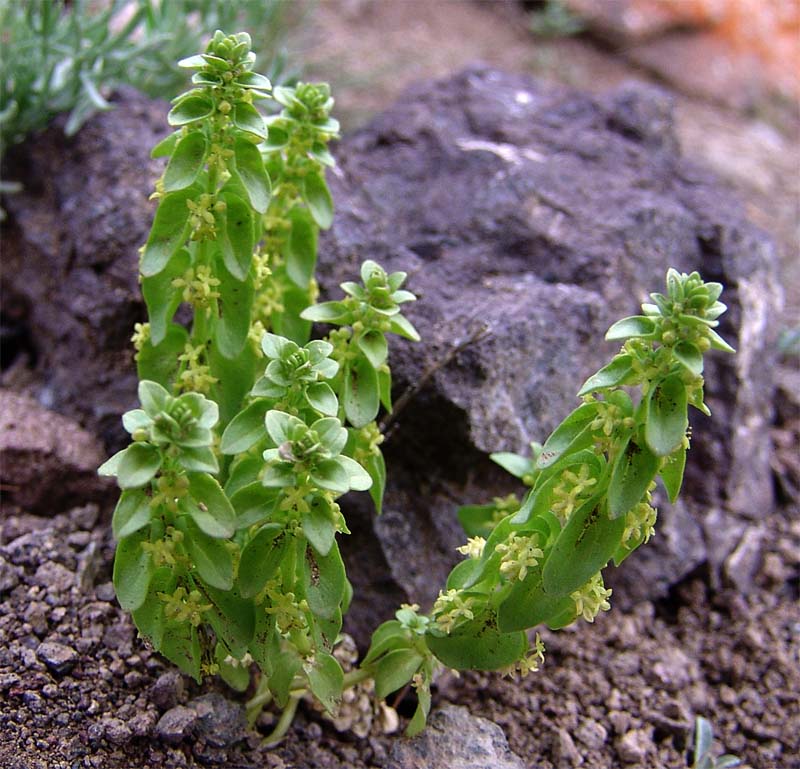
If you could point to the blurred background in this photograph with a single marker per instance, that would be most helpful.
(733, 66)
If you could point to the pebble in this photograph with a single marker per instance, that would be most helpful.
(59, 658)
(9, 576)
(116, 731)
(634, 746)
(591, 733)
(168, 690)
(176, 724)
(566, 754)
(55, 577)
(105, 592)
(221, 721)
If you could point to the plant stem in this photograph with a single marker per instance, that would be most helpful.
(284, 722)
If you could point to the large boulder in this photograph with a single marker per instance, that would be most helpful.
(529, 218)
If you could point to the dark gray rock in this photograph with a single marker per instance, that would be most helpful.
(176, 724)
(454, 739)
(168, 690)
(70, 257)
(60, 659)
(220, 721)
(9, 576)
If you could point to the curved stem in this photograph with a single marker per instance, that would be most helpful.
(284, 722)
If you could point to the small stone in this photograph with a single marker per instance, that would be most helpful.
(634, 746)
(176, 724)
(591, 733)
(457, 740)
(7, 680)
(54, 577)
(566, 754)
(742, 564)
(116, 731)
(33, 701)
(59, 658)
(168, 690)
(672, 670)
(36, 615)
(105, 592)
(221, 721)
(9, 576)
(142, 723)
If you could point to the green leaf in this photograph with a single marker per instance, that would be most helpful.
(261, 558)
(401, 326)
(634, 471)
(634, 326)
(571, 435)
(375, 465)
(361, 397)
(131, 514)
(385, 388)
(149, 617)
(168, 233)
(420, 717)
(318, 525)
(211, 557)
(318, 199)
(251, 174)
(329, 474)
(326, 587)
(245, 429)
(138, 465)
(181, 646)
(395, 670)
(386, 637)
(671, 473)
(477, 520)
(237, 240)
(253, 80)
(161, 297)
(253, 503)
(527, 605)
(159, 363)
(327, 312)
(232, 617)
(236, 676)
(213, 512)
(133, 569)
(301, 248)
(186, 162)
(235, 303)
(666, 420)
(321, 398)
(198, 460)
(190, 109)
(612, 375)
(583, 548)
(164, 147)
(689, 357)
(360, 479)
(326, 680)
(247, 118)
(478, 645)
(515, 464)
(373, 345)
(235, 380)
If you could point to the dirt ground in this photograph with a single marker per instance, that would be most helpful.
(621, 692)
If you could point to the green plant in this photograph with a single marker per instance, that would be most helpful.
(67, 57)
(703, 739)
(249, 433)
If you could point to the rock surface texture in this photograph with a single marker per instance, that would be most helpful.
(528, 217)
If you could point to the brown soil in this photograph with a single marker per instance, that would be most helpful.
(621, 692)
